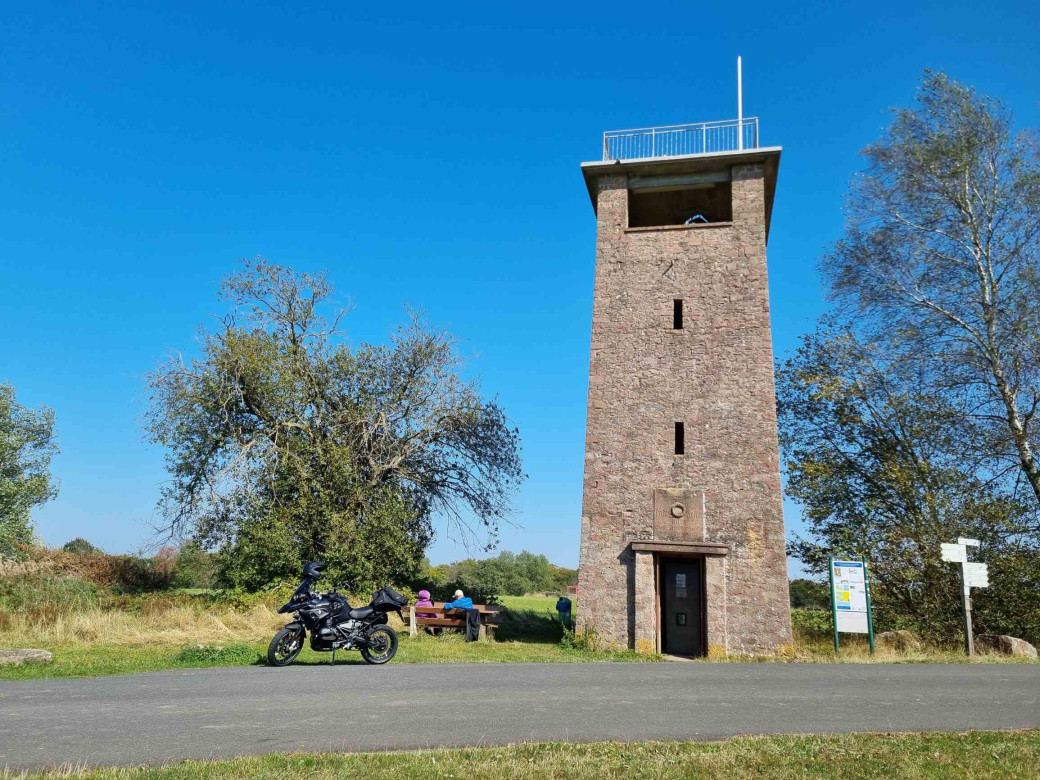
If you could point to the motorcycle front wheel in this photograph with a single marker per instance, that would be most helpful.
(382, 645)
(284, 648)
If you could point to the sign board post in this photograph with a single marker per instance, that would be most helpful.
(969, 642)
(850, 600)
(870, 612)
(972, 575)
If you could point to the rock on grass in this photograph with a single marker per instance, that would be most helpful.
(23, 655)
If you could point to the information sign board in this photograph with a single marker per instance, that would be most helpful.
(850, 597)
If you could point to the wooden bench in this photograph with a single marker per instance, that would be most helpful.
(452, 618)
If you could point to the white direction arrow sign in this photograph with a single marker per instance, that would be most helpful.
(976, 575)
(967, 542)
(954, 553)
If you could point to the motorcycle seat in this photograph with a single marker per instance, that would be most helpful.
(361, 613)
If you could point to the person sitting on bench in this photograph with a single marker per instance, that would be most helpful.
(424, 601)
(462, 601)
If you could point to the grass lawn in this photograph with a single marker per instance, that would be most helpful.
(534, 603)
(969, 756)
(530, 633)
(532, 636)
(91, 660)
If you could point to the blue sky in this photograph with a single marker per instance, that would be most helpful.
(426, 155)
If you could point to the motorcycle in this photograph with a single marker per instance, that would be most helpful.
(335, 625)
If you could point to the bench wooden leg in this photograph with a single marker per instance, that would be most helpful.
(411, 621)
(482, 631)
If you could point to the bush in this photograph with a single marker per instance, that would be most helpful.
(812, 623)
(232, 655)
(194, 568)
(808, 594)
(121, 573)
(33, 592)
(81, 546)
(587, 639)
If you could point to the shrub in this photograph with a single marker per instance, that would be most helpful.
(81, 546)
(121, 573)
(29, 592)
(194, 567)
(587, 639)
(812, 623)
(808, 594)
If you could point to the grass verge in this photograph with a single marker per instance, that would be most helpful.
(974, 755)
(87, 643)
(96, 660)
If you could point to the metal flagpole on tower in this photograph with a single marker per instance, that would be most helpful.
(740, 107)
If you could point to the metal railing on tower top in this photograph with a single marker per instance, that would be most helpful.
(701, 138)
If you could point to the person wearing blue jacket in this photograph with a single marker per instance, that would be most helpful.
(462, 601)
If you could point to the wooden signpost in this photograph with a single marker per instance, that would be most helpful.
(973, 575)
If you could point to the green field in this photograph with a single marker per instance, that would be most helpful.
(125, 643)
(534, 603)
(530, 634)
(971, 756)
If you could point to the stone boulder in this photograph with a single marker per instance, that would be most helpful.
(1005, 645)
(22, 655)
(899, 640)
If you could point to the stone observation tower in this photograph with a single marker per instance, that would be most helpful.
(682, 531)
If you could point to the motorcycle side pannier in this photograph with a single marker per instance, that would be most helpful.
(388, 600)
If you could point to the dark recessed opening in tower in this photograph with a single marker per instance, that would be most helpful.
(680, 439)
(699, 204)
(677, 314)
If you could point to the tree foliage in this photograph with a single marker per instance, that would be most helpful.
(26, 448)
(285, 444)
(509, 574)
(908, 418)
(940, 262)
(809, 594)
(871, 455)
(81, 546)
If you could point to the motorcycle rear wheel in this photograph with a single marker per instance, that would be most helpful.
(383, 643)
(284, 648)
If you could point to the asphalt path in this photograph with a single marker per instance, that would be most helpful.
(217, 713)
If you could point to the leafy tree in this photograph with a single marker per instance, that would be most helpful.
(286, 444)
(563, 577)
(909, 417)
(26, 448)
(81, 546)
(510, 574)
(164, 561)
(871, 455)
(809, 594)
(940, 262)
(194, 567)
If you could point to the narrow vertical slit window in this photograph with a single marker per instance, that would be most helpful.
(677, 314)
(680, 439)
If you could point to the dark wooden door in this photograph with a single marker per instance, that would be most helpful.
(682, 617)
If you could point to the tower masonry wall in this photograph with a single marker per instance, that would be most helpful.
(716, 376)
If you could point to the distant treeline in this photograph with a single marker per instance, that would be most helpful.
(508, 574)
(190, 567)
